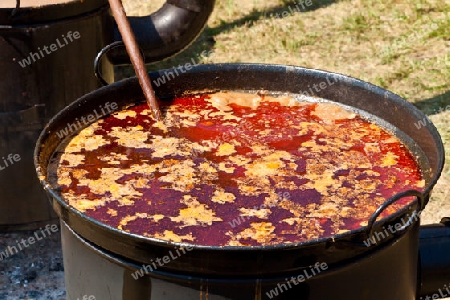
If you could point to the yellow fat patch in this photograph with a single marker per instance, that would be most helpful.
(225, 149)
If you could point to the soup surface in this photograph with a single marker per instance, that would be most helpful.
(234, 169)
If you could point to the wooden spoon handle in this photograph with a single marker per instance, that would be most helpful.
(135, 55)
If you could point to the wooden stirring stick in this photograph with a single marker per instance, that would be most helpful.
(135, 55)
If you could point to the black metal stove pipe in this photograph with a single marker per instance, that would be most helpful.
(434, 251)
(167, 31)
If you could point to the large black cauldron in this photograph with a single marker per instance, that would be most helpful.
(100, 260)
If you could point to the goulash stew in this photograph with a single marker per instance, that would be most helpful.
(234, 169)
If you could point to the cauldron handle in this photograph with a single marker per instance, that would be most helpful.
(167, 31)
(388, 202)
(98, 59)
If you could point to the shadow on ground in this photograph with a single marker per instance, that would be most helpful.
(205, 42)
(434, 105)
(257, 15)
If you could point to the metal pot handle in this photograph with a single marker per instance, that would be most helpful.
(446, 221)
(391, 200)
(98, 58)
(167, 31)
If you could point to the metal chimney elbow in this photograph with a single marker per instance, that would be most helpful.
(167, 31)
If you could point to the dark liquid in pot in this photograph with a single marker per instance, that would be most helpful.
(233, 169)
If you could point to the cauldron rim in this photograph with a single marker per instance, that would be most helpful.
(340, 243)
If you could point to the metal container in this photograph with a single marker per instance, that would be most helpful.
(91, 270)
(46, 53)
(101, 261)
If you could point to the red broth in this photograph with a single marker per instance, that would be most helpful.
(233, 169)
